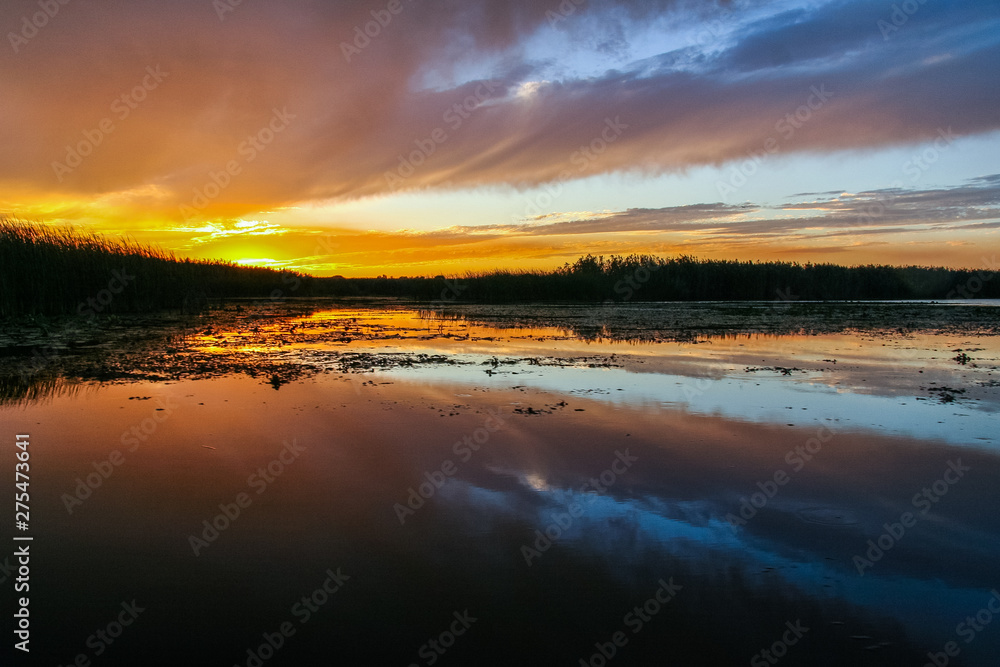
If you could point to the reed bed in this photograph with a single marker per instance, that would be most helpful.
(652, 278)
(49, 270)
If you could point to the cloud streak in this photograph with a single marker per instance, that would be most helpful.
(932, 225)
(355, 122)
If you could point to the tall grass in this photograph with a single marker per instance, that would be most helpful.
(58, 270)
(47, 270)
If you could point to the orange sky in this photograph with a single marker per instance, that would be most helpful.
(465, 136)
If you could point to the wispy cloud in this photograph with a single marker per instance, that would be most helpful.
(690, 104)
(939, 225)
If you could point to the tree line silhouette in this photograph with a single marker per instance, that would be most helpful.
(49, 271)
(684, 278)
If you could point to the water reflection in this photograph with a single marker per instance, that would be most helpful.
(666, 514)
(686, 321)
(25, 389)
(279, 342)
(546, 481)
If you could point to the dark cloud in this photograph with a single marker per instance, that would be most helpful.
(354, 124)
(869, 31)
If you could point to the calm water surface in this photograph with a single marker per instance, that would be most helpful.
(463, 491)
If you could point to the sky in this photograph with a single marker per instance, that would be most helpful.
(424, 137)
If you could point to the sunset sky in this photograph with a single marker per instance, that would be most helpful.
(416, 137)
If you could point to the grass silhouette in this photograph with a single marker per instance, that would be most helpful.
(47, 270)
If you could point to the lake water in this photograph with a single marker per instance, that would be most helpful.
(368, 484)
